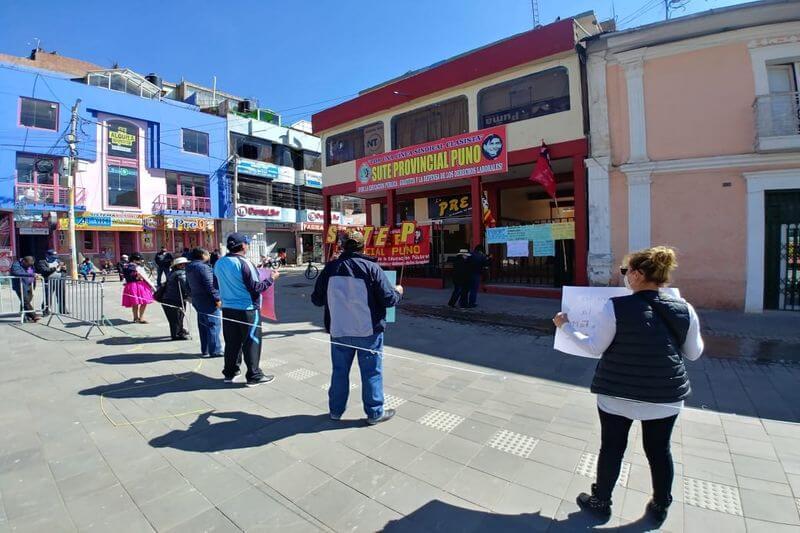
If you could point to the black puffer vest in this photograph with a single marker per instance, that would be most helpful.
(644, 360)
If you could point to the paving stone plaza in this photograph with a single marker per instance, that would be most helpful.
(495, 432)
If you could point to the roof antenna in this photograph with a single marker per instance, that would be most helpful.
(535, 13)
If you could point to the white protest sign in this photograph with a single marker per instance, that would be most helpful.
(517, 249)
(582, 305)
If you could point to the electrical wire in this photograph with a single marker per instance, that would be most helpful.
(644, 8)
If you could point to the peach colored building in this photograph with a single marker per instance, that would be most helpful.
(695, 143)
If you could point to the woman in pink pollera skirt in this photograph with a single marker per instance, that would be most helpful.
(138, 291)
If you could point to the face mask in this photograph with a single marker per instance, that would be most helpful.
(627, 284)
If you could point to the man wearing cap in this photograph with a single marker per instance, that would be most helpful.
(356, 293)
(50, 268)
(240, 291)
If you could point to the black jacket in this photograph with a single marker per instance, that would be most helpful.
(177, 291)
(354, 278)
(203, 285)
(644, 360)
(22, 278)
(164, 260)
(462, 269)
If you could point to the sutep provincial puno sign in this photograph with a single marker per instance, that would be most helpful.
(470, 154)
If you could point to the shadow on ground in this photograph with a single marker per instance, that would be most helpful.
(141, 358)
(155, 386)
(238, 429)
(127, 341)
(437, 515)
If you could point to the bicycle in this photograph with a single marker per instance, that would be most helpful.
(151, 269)
(311, 271)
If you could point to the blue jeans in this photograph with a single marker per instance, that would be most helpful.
(371, 366)
(209, 328)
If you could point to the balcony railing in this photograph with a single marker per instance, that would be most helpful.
(185, 204)
(41, 194)
(777, 121)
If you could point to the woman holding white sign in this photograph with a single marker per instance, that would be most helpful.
(641, 341)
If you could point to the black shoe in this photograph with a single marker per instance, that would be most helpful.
(388, 414)
(260, 381)
(233, 379)
(217, 355)
(592, 504)
(658, 511)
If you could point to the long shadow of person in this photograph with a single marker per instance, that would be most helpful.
(437, 515)
(133, 359)
(244, 430)
(154, 386)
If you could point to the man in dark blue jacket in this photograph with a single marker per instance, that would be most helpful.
(23, 282)
(205, 300)
(355, 293)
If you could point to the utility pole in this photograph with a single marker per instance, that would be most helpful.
(72, 141)
(236, 192)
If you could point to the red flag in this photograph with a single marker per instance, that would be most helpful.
(488, 218)
(543, 173)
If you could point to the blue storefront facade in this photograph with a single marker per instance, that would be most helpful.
(151, 172)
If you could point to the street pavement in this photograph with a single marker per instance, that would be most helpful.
(495, 431)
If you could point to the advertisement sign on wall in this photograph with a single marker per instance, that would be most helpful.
(258, 168)
(312, 180)
(318, 215)
(392, 247)
(122, 139)
(264, 212)
(103, 222)
(459, 205)
(188, 224)
(462, 156)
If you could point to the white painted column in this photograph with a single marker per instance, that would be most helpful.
(639, 210)
(600, 256)
(756, 227)
(633, 65)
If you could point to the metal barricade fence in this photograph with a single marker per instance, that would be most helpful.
(11, 303)
(78, 300)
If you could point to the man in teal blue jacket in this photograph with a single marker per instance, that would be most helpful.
(240, 291)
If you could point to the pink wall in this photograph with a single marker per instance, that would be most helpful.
(617, 94)
(706, 223)
(152, 182)
(699, 103)
(618, 185)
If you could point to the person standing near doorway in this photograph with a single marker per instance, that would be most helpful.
(478, 261)
(240, 291)
(23, 283)
(462, 272)
(641, 341)
(355, 293)
(206, 301)
(163, 261)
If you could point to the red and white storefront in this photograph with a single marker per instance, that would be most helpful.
(475, 92)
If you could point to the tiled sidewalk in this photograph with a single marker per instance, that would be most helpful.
(495, 431)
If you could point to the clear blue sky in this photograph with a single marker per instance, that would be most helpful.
(291, 53)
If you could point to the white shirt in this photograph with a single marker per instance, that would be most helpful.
(598, 343)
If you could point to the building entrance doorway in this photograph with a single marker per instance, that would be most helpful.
(782, 249)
